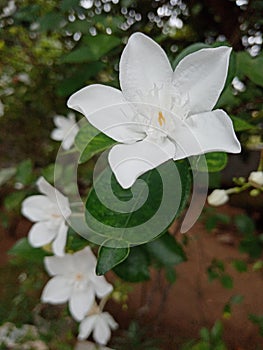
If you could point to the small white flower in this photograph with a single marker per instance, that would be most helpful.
(217, 198)
(100, 325)
(66, 130)
(23, 78)
(75, 281)
(256, 178)
(49, 212)
(160, 114)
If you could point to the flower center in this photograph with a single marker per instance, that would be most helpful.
(161, 119)
(79, 277)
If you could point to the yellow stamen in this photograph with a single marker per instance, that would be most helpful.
(161, 119)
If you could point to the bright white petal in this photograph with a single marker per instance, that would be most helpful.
(110, 320)
(61, 122)
(34, 208)
(56, 197)
(107, 109)
(206, 132)
(101, 286)
(143, 66)
(86, 327)
(57, 135)
(101, 333)
(56, 291)
(128, 162)
(58, 265)
(81, 302)
(41, 234)
(85, 260)
(59, 242)
(69, 139)
(202, 76)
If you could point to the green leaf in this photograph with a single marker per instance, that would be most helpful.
(6, 174)
(24, 172)
(226, 281)
(241, 125)
(236, 299)
(14, 200)
(51, 21)
(244, 224)
(129, 214)
(24, 250)
(217, 331)
(99, 143)
(94, 47)
(108, 258)
(166, 250)
(240, 265)
(78, 78)
(215, 161)
(170, 274)
(135, 268)
(251, 67)
(86, 133)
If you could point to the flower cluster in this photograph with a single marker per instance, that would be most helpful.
(73, 276)
(254, 183)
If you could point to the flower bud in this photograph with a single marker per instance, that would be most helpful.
(256, 178)
(218, 197)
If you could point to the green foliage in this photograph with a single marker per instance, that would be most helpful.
(216, 270)
(209, 339)
(136, 267)
(251, 67)
(136, 337)
(90, 142)
(6, 174)
(23, 250)
(164, 252)
(139, 204)
(108, 258)
(257, 320)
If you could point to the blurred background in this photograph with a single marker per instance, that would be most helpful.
(51, 48)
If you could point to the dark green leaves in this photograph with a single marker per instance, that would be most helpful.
(137, 215)
(109, 258)
(251, 67)
(92, 49)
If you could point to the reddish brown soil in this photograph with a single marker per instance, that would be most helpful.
(176, 314)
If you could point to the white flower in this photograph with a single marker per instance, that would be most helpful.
(66, 130)
(100, 324)
(75, 281)
(24, 78)
(49, 212)
(217, 198)
(256, 178)
(160, 114)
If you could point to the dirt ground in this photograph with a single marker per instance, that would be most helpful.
(175, 314)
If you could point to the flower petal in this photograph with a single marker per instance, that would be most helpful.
(206, 132)
(56, 291)
(202, 76)
(58, 265)
(85, 260)
(41, 234)
(101, 286)
(128, 162)
(34, 208)
(101, 333)
(143, 66)
(59, 242)
(107, 109)
(86, 327)
(110, 320)
(81, 302)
